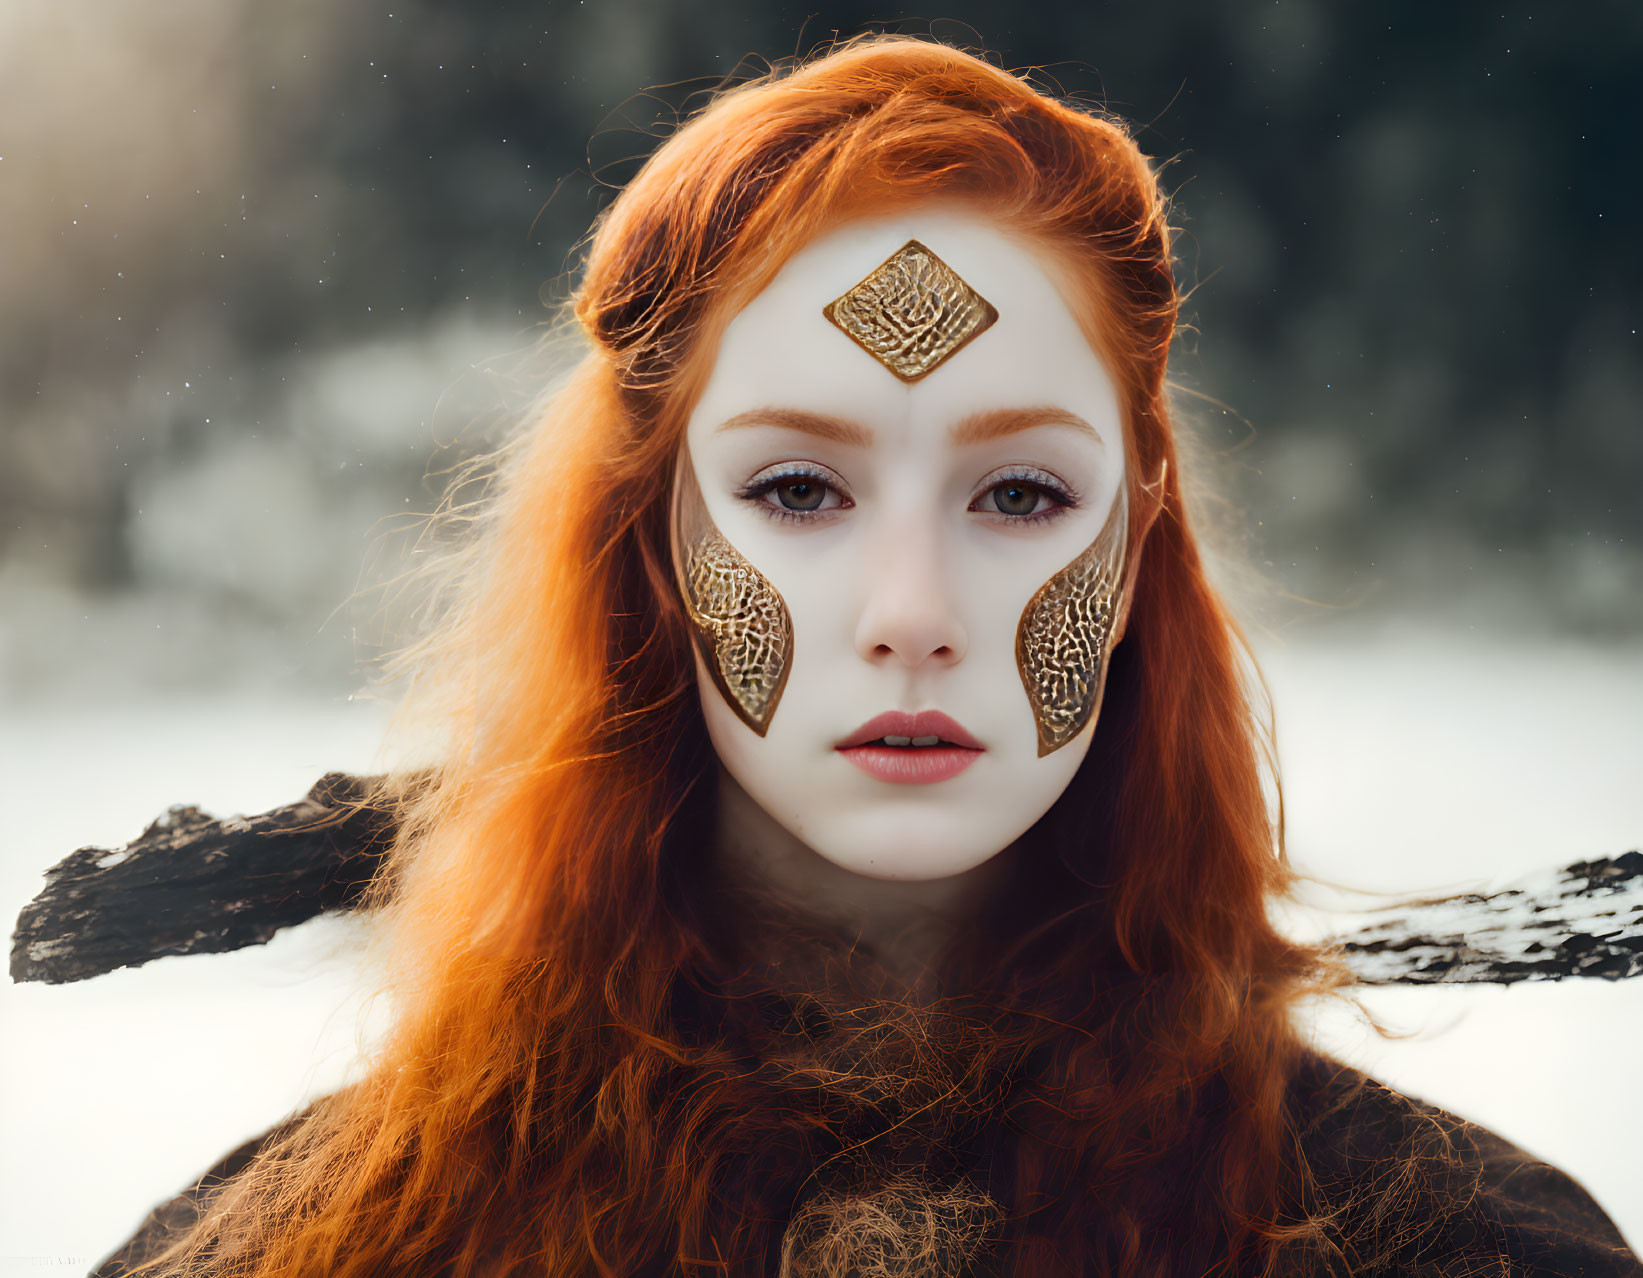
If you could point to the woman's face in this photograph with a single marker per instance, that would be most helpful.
(900, 528)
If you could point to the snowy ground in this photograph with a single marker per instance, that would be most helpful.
(1411, 764)
(1422, 765)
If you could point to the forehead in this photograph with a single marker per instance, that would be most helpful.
(782, 349)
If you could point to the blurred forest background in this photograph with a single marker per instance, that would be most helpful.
(262, 266)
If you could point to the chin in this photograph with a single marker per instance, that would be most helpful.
(876, 856)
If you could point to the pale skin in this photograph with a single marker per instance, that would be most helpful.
(906, 526)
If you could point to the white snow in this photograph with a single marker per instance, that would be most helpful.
(116, 1092)
(1421, 764)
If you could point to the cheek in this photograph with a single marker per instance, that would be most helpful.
(767, 765)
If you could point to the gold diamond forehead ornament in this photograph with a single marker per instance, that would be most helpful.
(912, 313)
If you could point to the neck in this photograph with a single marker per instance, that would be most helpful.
(903, 924)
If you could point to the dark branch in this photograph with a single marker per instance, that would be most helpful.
(196, 885)
(1583, 920)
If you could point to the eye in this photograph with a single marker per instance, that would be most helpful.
(801, 494)
(1029, 497)
(792, 494)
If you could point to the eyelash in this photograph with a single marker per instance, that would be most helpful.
(1061, 497)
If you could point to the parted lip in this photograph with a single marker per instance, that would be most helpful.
(898, 723)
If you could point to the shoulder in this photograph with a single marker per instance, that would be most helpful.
(174, 1217)
(1406, 1187)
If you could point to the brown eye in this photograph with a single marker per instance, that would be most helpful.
(1016, 498)
(804, 494)
(797, 494)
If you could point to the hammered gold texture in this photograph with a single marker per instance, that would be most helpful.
(1065, 636)
(912, 312)
(741, 624)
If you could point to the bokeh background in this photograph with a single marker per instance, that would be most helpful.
(268, 271)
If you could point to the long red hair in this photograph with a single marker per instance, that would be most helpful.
(568, 1087)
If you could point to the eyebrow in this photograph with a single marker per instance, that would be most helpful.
(996, 423)
(977, 428)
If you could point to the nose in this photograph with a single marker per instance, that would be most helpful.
(910, 615)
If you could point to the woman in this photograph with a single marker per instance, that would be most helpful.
(801, 890)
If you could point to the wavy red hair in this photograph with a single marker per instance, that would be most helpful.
(564, 1090)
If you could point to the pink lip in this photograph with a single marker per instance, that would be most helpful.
(911, 765)
(898, 723)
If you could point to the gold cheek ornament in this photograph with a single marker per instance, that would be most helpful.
(1066, 633)
(741, 625)
(911, 313)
